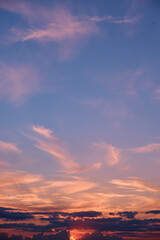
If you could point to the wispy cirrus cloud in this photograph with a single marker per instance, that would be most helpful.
(20, 188)
(43, 131)
(17, 82)
(117, 20)
(19, 7)
(153, 147)
(134, 183)
(110, 154)
(9, 147)
(58, 24)
(54, 147)
(61, 27)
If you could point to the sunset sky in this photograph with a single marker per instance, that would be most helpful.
(80, 119)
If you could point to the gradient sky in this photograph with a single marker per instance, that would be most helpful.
(79, 117)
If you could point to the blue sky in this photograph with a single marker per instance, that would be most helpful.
(80, 104)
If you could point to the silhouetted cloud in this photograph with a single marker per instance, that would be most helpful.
(99, 236)
(89, 214)
(153, 212)
(59, 225)
(128, 214)
(15, 216)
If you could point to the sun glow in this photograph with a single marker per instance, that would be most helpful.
(76, 234)
(72, 238)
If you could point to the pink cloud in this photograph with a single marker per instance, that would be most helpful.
(9, 147)
(109, 153)
(19, 7)
(43, 131)
(58, 24)
(17, 83)
(56, 148)
(134, 183)
(61, 27)
(157, 94)
(153, 147)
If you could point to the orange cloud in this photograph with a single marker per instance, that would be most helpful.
(20, 188)
(9, 147)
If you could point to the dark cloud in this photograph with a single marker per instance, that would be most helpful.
(82, 214)
(130, 215)
(99, 236)
(99, 225)
(4, 236)
(89, 214)
(8, 214)
(126, 225)
(153, 212)
(27, 227)
(126, 214)
(63, 235)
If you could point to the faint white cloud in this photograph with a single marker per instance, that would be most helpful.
(114, 110)
(117, 20)
(9, 147)
(17, 82)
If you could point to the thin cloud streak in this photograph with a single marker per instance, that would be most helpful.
(117, 20)
(20, 188)
(56, 148)
(134, 183)
(153, 147)
(43, 131)
(9, 147)
(59, 24)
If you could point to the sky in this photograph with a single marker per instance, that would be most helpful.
(79, 119)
